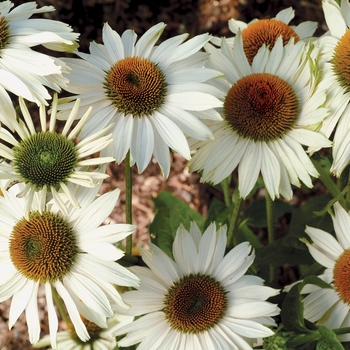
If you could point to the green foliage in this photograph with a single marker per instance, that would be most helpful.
(306, 335)
(171, 212)
(256, 212)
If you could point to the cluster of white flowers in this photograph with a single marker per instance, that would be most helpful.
(261, 102)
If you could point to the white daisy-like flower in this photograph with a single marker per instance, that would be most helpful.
(153, 94)
(269, 109)
(202, 300)
(72, 254)
(266, 31)
(100, 338)
(334, 60)
(48, 161)
(330, 306)
(24, 71)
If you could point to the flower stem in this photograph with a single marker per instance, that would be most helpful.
(339, 331)
(326, 178)
(225, 186)
(231, 234)
(270, 228)
(128, 201)
(61, 309)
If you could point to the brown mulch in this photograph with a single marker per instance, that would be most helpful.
(181, 16)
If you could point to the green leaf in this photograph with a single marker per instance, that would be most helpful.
(256, 212)
(217, 212)
(303, 341)
(305, 215)
(171, 212)
(292, 312)
(245, 234)
(286, 250)
(329, 340)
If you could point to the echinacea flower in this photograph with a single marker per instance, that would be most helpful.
(330, 306)
(270, 110)
(48, 161)
(155, 95)
(261, 32)
(71, 255)
(200, 301)
(24, 71)
(334, 59)
(100, 338)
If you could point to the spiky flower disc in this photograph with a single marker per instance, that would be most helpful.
(71, 253)
(154, 95)
(201, 299)
(334, 60)
(330, 306)
(270, 110)
(261, 32)
(47, 161)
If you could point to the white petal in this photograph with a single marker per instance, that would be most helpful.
(325, 242)
(334, 19)
(52, 316)
(20, 301)
(32, 315)
(144, 143)
(113, 43)
(171, 134)
(74, 315)
(341, 224)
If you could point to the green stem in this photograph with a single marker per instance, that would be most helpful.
(327, 180)
(128, 201)
(270, 228)
(225, 186)
(339, 331)
(231, 233)
(61, 309)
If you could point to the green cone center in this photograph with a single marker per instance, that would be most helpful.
(341, 61)
(195, 303)
(261, 107)
(136, 86)
(43, 247)
(265, 31)
(45, 158)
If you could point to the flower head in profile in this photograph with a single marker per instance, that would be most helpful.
(155, 95)
(24, 71)
(100, 338)
(270, 110)
(330, 306)
(72, 254)
(334, 59)
(261, 32)
(202, 300)
(48, 161)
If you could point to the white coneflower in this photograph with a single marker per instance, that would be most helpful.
(100, 338)
(71, 253)
(330, 306)
(270, 110)
(201, 301)
(47, 161)
(24, 71)
(334, 59)
(261, 32)
(155, 95)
